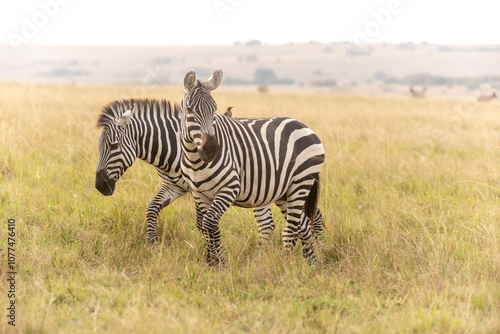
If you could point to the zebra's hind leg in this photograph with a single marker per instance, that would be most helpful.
(317, 225)
(265, 222)
(290, 233)
(166, 195)
(306, 237)
(297, 224)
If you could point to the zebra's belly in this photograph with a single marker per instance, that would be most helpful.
(255, 204)
(203, 183)
(251, 198)
(209, 192)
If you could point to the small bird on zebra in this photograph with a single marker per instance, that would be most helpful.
(248, 162)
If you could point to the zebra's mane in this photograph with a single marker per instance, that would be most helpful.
(118, 107)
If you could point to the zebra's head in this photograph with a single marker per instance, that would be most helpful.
(116, 150)
(199, 109)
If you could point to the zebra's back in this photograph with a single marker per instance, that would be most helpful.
(268, 153)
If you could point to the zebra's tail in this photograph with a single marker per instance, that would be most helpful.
(311, 203)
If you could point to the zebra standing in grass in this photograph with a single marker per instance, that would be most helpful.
(150, 132)
(248, 163)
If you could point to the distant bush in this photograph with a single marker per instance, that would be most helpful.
(286, 81)
(166, 60)
(324, 83)
(426, 79)
(392, 80)
(380, 76)
(253, 42)
(252, 58)
(358, 51)
(265, 76)
(64, 72)
(237, 81)
(449, 48)
(445, 48)
(262, 76)
(407, 46)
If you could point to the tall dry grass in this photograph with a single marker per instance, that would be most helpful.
(410, 197)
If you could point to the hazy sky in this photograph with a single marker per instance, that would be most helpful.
(195, 22)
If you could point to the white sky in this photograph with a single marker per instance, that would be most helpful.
(198, 22)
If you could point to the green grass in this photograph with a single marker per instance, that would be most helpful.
(410, 197)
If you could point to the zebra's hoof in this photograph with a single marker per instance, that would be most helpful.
(216, 263)
(221, 265)
(312, 261)
(263, 241)
(320, 240)
(153, 239)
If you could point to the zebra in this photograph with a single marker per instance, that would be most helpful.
(248, 163)
(150, 132)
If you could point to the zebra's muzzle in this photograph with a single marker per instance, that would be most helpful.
(209, 147)
(104, 184)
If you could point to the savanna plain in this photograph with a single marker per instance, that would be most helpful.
(410, 196)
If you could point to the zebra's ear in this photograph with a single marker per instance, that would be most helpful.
(124, 119)
(214, 81)
(190, 80)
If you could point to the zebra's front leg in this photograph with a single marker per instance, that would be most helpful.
(166, 195)
(210, 227)
(201, 209)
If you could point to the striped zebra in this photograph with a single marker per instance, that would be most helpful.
(248, 163)
(150, 132)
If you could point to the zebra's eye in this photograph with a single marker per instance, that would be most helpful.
(113, 146)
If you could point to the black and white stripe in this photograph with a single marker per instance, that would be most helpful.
(150, 132)
(248, 163)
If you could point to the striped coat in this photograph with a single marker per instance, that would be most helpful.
(248, 163)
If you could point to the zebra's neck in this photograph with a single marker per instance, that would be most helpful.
(189, 149)
(156, 133)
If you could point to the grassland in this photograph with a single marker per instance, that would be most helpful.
(410, 197)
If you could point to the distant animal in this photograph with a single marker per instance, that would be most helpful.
(248, 163)
(418, 94)
(262, 89)
(486, 98)
(149, 130)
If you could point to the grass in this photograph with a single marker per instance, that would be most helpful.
(410, 197)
